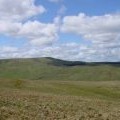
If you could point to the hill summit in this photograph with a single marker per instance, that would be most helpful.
(48, 68)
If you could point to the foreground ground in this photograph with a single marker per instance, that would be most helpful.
(59, 100)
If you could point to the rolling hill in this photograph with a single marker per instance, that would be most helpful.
(56, 69)
(52, 89)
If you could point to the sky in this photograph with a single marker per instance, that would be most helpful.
(79, 30)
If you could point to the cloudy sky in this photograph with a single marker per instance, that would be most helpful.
(84, 30)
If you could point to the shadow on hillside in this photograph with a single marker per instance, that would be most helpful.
(58, 62)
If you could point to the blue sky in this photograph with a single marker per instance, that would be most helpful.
(84, 30)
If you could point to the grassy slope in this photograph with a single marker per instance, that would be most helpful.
(37, 89)
(59, 100)
(109, 90)
(45, 69)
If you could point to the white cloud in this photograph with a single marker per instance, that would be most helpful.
(8, 49)
(9, 28)
(13, 12)
(98, 29)
(19, 9)
(102, 31)
(67, 51)
(35, 32)
(8, 52)
(39, 33)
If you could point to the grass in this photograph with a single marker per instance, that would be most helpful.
(46, 69)
(107, 89)
(59, 100)
(46, 89)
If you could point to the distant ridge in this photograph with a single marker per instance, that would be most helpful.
(48, 68)
(60, 62)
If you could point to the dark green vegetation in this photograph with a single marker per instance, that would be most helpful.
(51, 89)
(54, 69)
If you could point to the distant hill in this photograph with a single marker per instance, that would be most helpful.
(55, 69)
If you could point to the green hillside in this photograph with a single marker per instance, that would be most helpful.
(53, 89)
(55, 69)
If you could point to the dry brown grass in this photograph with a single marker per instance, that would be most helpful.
(25, 105)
